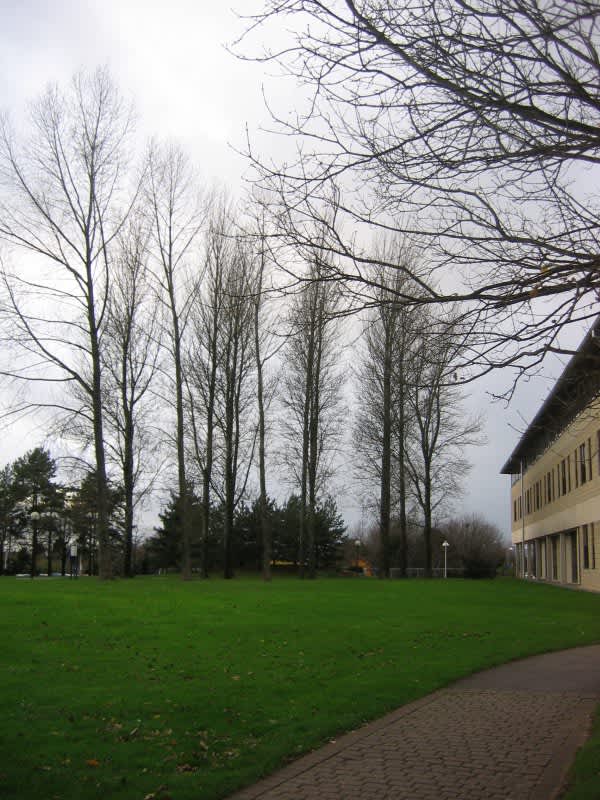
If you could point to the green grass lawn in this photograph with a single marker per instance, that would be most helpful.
(585, 774)
(116, 690)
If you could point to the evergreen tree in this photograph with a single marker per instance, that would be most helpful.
(9, 530)
(34, 490)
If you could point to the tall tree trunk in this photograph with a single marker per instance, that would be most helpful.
(128, 464)
(427, 520)
(229, 480)
(228, 518)
(209, 450)
(105, 563)
(402, 475)
(302, 544)
(128, 481)
(386, 459)
(184, 500)
(205, 520)
(265, 519)
(314, 424)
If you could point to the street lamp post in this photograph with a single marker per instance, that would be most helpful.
(35, 518)
(445, 545)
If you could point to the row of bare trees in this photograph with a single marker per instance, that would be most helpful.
(410, 432)
(103, 289)
(138, 314)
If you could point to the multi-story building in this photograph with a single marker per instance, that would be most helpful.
(555, 476)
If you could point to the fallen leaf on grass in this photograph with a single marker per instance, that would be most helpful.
(92, 762)
(160, 794)
(185, 768)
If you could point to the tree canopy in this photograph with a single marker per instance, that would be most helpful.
(471, 126)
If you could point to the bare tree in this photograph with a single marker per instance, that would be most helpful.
(266, 347)
(473, 124)
(177, 216)
(382, 420)
(234, 398)
(131, 362)
(203, 359)
(435, 454)
(265, 522)
(220, 373)
(63, 203)
(312, 399)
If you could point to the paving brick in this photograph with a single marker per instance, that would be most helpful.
(488, 737)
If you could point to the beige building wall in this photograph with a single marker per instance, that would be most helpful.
(561, 501)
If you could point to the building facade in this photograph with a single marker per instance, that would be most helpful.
(555, 478)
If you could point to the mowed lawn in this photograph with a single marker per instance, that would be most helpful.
(162, 688)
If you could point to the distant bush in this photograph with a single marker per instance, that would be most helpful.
(477, 544)
(480, 568)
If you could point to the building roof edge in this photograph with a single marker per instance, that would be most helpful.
(589, 346)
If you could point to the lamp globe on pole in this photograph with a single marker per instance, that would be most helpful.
(445, 545)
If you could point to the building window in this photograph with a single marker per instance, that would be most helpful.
(554, 541)
(592, 546)
(568, 473)
(514, 511)
(582, 464)
(589, 453)
(545, 498)
(586, 547)
(576, 465)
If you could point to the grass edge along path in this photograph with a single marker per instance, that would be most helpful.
(158, 689)
(583, 782)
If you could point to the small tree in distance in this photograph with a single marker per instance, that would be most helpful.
(476, 543)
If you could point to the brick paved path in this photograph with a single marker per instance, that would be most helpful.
(511, 732)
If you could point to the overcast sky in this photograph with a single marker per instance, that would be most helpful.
(170, 58)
